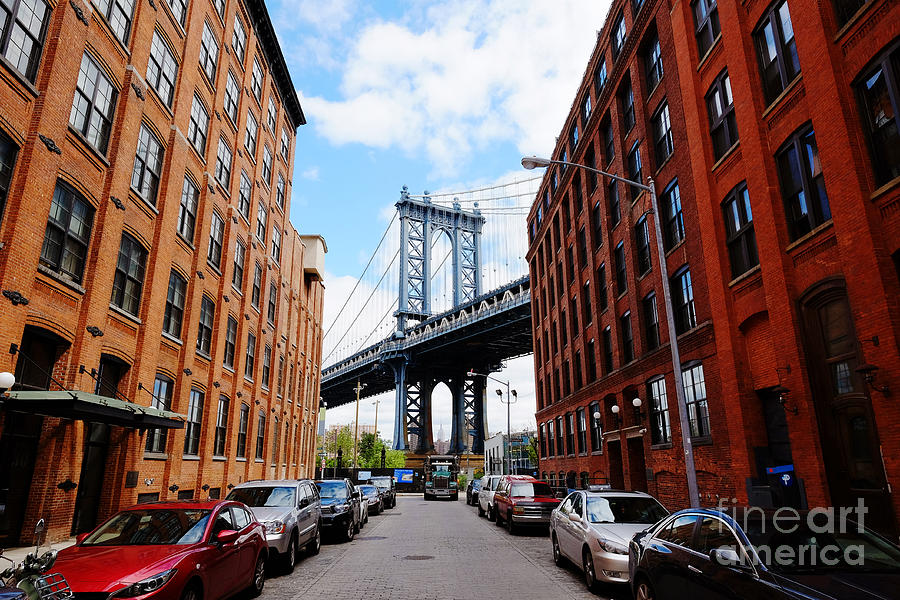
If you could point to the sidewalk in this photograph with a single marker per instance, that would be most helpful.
(18, 554)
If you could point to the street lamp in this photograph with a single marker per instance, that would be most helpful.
(507, 403)
(531, 162)
(7, 380)
(359, 387)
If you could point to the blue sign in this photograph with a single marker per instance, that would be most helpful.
(786, 479)
(781, 469)
(403, 475)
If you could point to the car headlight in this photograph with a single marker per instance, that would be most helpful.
(611, 546)
(518, 510)
(429, 484)
(340, 508)
(146, 586)
(274, 527)
(453, 484)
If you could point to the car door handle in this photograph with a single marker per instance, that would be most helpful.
(694, 569)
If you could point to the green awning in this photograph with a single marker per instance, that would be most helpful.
(91, 407)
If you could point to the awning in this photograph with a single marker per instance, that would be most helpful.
(91, 407)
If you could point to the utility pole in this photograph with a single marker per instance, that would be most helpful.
(359, 388)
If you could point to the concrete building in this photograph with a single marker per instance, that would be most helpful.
(776, 121)
(498, 447)
(162, 315)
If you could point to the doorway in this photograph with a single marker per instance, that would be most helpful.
(637, 467)
(90, 484)
(614, 454)
(18, 447)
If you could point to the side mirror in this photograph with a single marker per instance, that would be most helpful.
(304, 502)
(574, 517)
(726, 557)
(80, 538)
(354, 494)
(226, 536)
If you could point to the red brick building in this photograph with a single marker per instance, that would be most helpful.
(160, 313)
(785, 148)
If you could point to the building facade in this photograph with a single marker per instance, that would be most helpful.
(784, 145)
(501, 455)
(162, 314)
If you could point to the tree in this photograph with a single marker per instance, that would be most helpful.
(531, 448)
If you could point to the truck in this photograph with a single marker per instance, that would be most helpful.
(441, 472)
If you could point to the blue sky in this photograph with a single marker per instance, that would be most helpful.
(434, 95)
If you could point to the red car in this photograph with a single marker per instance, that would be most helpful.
(169, 551)
(523, 500)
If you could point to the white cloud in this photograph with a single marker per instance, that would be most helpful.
(460, 76)
(312, 173)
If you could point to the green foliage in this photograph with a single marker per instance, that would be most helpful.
(478, 474)
(369, 450)
(532, 451)
(461, 481)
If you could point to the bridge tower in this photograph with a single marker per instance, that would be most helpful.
(420, 221)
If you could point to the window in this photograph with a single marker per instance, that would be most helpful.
(221, 427)
(239, 40)
(585, 109)
(285, 145)
(564, 338)
(232, 97)
(205, 328)
(147, 165)
(695, 399)
(266, 366)
(23, 30)
(846, 9)
(653, 63)
(209, 53)
(243, 419)
(879, 96)
(198, 127)
(618, 36)
(615, 209)
(590, 161)
(706, 24)
(627, 338)
(223, 164)
(603, 301)
(591, 361)
(250, 356)
(600, 77)
(660, 431)
(174, 311)
(571, 265)
(573, 313)
(587, 315)
(551, 446)
(543, 439)
(118, 14)
(194, 424)
(662, 134)
(276, 441)
(802, 183)
(216, 234)
(673, 219)
(582, 249)
(609, 145)
(634, 171)
(573, 137)
(129, 279)
(279, 192)
(260, 435)
(230, 341)
(281, 375)
(570, 433)
(560, 437)
(267, 165)
(8, 152)
(636, 5)
(94, 104)
(250, 136)
(68, 233)
(244, 195)
(621, 275)
(720, 107)
(179, 9)
(683, 301)
(256, 80)
(607, 350)
(777, 51)
(162, 400)
(651, 322)
(642, 245)
(272, 116)
(597, 222)
(162, 69)
(579, 381)
(276, 244)
(257, 286)
(740, 238)
(273, 302)
(626, 100)
(261, 217)
(240, 256)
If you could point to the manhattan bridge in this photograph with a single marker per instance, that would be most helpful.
(443, 298)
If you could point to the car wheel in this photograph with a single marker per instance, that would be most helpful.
(590, 577)
(316, 543)
(259, 577)
(497, 520)
(190, 592)
(644, 591)
(350, 531)
(480, 510)
(510, 526)
(490, 513)
(557, 555)
(289, 558)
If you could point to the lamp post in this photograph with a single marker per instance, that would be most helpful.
(530, 162)
(359, 387)
(507, 403)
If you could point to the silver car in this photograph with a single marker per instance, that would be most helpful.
(373, 498)
(592, 529)
(363, 507)
(291, 512)
(486, 496)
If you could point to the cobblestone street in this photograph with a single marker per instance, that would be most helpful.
(433, 550)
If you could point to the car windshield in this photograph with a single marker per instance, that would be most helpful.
(612, 509)
(369, 490)
(332, 489)
(151, 527)
(382, 484)
(263, 496)
(796, 547)
(537, 488)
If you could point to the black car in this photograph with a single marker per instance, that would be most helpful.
(761, 555)
(340, 507)
(385, 485)
(472, 489)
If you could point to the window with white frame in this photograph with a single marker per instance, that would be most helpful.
(198, 126)
(209, 53)
(162, 69)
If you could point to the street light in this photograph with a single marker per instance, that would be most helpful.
(507, 403)
(531, 162)
(359, 387)
(7, 380)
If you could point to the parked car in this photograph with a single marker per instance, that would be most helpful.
(363, 507)
(290, 512)
(592, 529)
(523, 500)
(373, 498)
(340, 507)
(385, 484)
(472, 489)
(702, 553)
(169, 551)
(486, 496)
